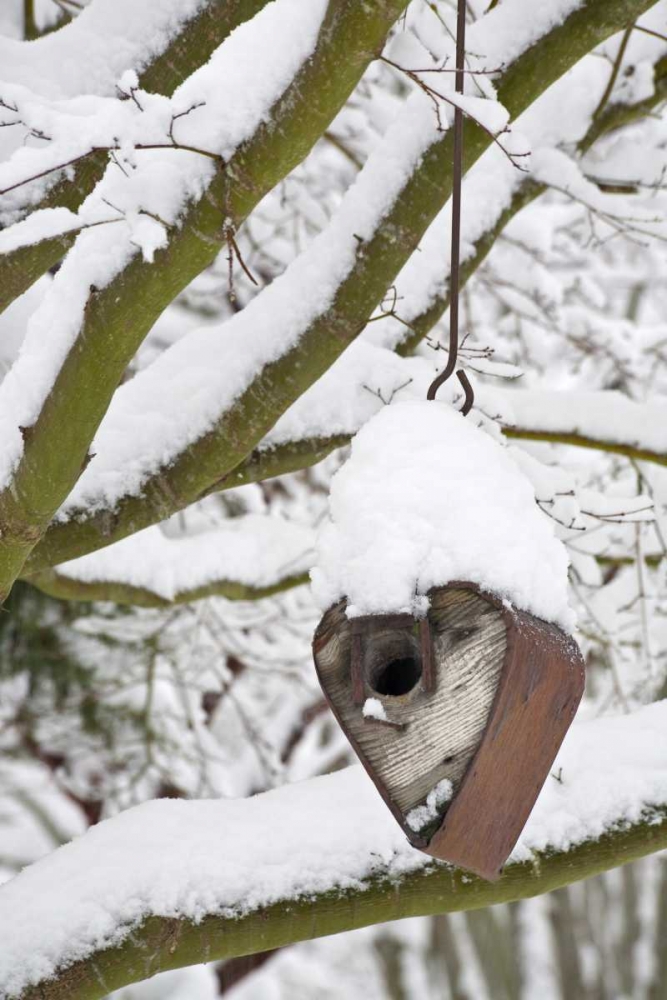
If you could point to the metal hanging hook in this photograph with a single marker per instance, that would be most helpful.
(456, 229)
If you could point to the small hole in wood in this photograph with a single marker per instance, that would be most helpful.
(398, 676)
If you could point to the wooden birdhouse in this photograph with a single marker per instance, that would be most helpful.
(455, 695)
(457, 717)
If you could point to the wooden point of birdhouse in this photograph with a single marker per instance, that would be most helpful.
(457, 717)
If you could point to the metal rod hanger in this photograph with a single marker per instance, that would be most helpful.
(454, 280)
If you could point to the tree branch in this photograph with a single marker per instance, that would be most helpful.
(68, 588)
(615, 116)
(161, 942)
(635, 452)
(117, 317)
(193, 46)
(304, 860)
(69, 539)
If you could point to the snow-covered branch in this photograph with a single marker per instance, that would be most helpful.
(244, 558)
(165, 44)
(303, 861)
(119, 294)
(417, 320)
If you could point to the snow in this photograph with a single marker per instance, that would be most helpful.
(511, 28)
(600, 415)
(487, 190)
(559, 117)
(368, 376)
(351, 391)
(374, 709)
(91, 53)
(42, 225)
(173, 402)
(421, 816)
(100, 254)
(280, 37)
(331, 832)
(427, 498)
(255, 549)
(208, 372)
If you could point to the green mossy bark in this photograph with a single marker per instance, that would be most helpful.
(67, 588)
(278, 385)
(162, 943)
(581, 441)
(118, 316)
(192, 47)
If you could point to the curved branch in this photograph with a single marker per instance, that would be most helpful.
(67, 588)
(194, 44)
(117, 317)
(615, 116)
(20, 268)
(164, 943)
(336, 860)
(291, 456)
(635, 452)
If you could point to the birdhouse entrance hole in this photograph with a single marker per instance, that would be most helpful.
(398, 677)
(392, 663)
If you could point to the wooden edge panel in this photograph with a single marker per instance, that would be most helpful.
(541, 685)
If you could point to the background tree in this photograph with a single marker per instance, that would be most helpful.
(224, 248)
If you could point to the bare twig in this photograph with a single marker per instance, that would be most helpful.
(436, 95)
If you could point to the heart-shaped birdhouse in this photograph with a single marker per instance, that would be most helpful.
(442, 651)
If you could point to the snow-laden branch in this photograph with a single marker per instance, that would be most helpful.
(243, 558)
(295, 329)
(126, 900)
(617, 115)
(106, 297)
(363, 380)
(164, 43)
(497, 196)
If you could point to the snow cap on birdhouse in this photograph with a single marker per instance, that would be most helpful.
(444, 650)
(427, 498)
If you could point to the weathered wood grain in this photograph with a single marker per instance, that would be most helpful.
(432, 736)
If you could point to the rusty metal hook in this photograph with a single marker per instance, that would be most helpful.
(454, 281)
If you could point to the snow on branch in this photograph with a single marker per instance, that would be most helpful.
(367, 377)
(199, 117)
(243, 558)
(96, 48)
(494, 193)
(165, 44)
(304, 860)
(97, 300)
(606, 420)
